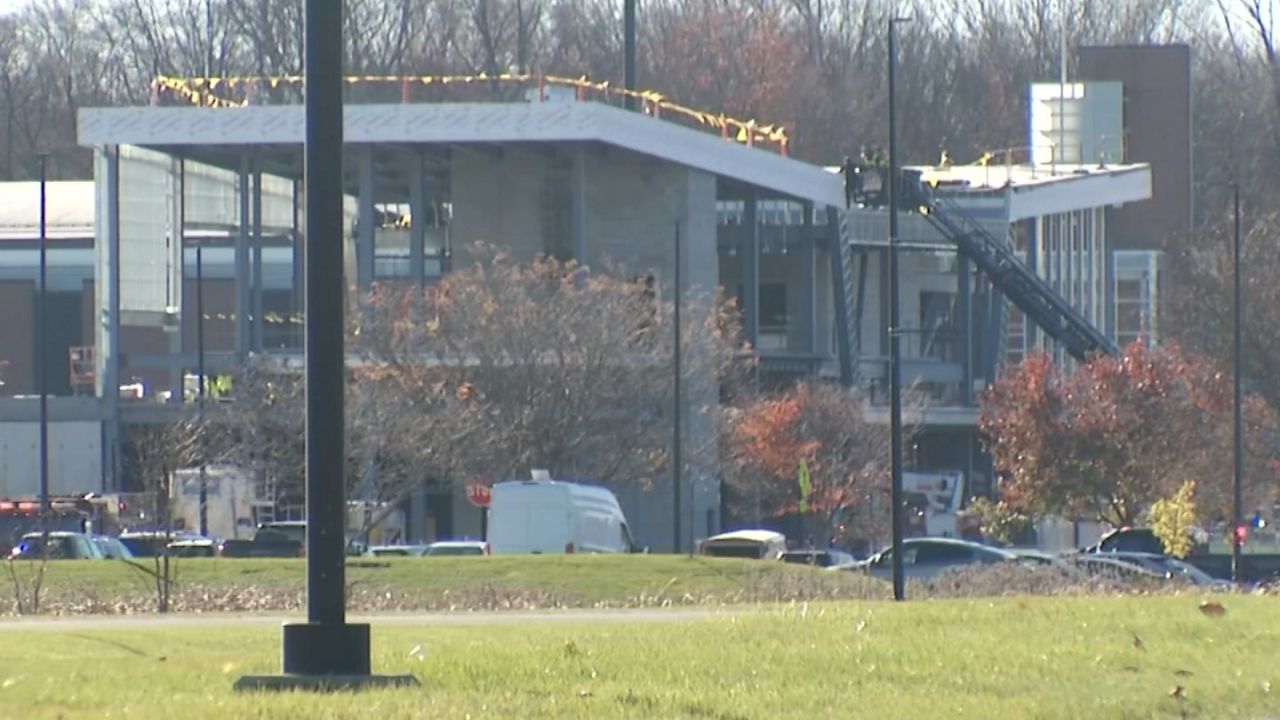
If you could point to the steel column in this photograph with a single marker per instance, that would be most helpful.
(751, 272)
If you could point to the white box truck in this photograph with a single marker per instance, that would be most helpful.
(546, 516)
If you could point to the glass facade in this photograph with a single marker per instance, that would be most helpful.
(1138, 276)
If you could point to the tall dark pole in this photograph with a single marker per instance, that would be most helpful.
(895, 350)
(326, 652)
(325, 353)
(629, 49)
(200, 379)
(42, 370)
(677, 460)
(1237, 507)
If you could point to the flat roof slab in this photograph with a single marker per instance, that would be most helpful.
(451, 124)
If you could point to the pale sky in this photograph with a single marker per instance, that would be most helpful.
(8, 6)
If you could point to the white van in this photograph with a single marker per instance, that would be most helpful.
(547, 516)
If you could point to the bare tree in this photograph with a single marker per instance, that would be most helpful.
(158, 453)
(544, 365)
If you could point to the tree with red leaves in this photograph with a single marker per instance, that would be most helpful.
(1121, 432)
(824, 426)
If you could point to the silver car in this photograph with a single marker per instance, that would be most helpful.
(924, 558)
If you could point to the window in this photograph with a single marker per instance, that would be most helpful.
(773, 314)
(1137, 285)
(937, 330)
(943, 554)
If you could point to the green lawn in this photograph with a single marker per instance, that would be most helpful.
(441, 583)
(1009, 658)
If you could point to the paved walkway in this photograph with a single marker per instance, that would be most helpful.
(111, 622)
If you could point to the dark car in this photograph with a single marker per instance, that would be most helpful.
(111, 548)
(926, 557)
(150, 543)
(62, 546)
(1133, 540)
(1171, 568)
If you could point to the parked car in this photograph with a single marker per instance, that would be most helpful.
(111, 548)
(549, 516)
(753, 544)
(926, 557)
(397, 550)
(272, 540)
(1137, 540)
(1170, 568)
(458, 547)
(817, 558)
(195, 546)
(1106, 565)
(1034, 556)
(149, 543)
(62, 546)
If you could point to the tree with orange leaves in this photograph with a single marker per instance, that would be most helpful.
(822, 425)
(1119, 433)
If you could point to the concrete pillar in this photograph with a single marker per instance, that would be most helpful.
(1038, 233)
(366, 222)
(578, 204)
(299, 261)
(244, 303)
(418, 220)
(109, 366)
(258, 315)
(964, 339)
(700, 275)
(807, 313)
(751, 272)
(177, 276)
(846, 347)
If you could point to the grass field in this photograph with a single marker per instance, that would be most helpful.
(1009, 658)
(442, 583)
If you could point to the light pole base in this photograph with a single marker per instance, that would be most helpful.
(324, 658)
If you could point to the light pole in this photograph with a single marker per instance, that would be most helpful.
(200, 379)
(677, 459)
(629, 50)
(42, 371)
(895, 348)
(1237, 507)
(326, 652)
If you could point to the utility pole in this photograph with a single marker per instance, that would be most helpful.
(325, 653)
(200, 377)
(629, 50)
(677, 461)
(1237, 506)
(42, 360)
(895, 345)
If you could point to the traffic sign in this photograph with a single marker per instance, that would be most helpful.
(479, 493)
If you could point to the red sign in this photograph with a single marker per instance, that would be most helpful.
(479, 493)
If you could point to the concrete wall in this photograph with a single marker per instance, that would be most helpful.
(75, 458)
(17, 319)
(521, 201)
(498, 198)
(219, 309)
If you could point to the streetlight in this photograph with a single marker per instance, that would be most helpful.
(677, 459)
(326, 652)
(895, 350)
(42, 372)
(1237, 509)
(629, 51)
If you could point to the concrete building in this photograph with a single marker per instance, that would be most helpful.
(573, 179)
